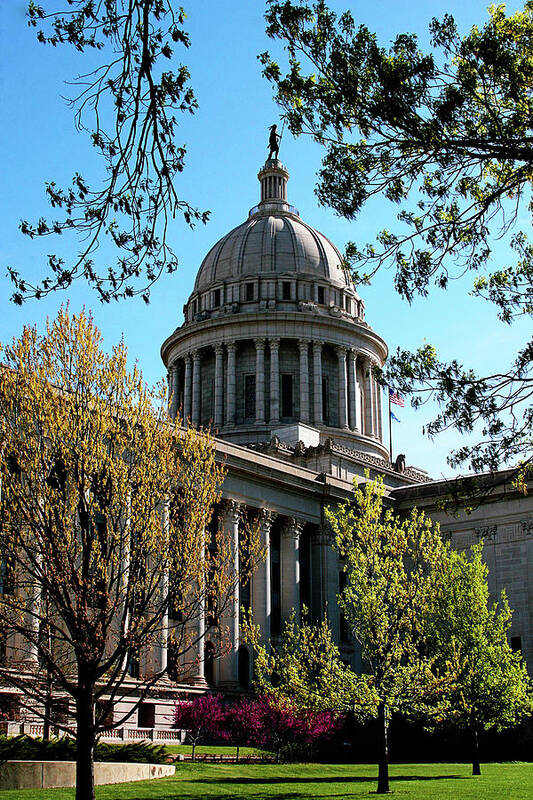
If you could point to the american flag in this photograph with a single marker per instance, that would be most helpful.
(396, 398)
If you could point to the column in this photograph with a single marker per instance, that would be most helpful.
(187, 394)
(261, 589)
(198, 677)
(343, 410)
(303, 345)
(259, 381)
(380, 411)
(230, 396)
(219, 386)
(163, 636)
(369, 398)
(290, 567)
(274, 381)
(229, 665)
(196, 389)
(352, 390)
(174, 391)
(317, 383)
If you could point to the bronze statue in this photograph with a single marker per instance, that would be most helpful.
(273, 142)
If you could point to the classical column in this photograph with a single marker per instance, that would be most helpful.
(196, 388)
(230, 398)
(303, 345)
(229, 665)
(290, 567)
(352, 390)
(174, 391)
(317, 383)
(261, 588)
(187, 394)
(274, 381)
(163, 636)
(198, 677)
(343, 415)
(380, 411)
(260, 381)
(219, 386)
(370, 428)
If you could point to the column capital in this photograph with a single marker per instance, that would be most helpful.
(232, 508)
(341, 350)
(352, 353)
(293, 527)
(187, 357)
(231, 346)
(218, 348)
(317, 346)
(303, 344)
(195, 355)
(274, 343)
(266, 517)
(260, 342)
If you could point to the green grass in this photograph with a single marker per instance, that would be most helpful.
(292, 781)
(219, 749)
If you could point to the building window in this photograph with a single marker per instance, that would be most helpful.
(321, 295)
(286, 290)
(133, 665)
(7, 576)
(147, 715)
(348, 305)
(216, 298)
(325, 401)
(249, 396)
(516, 644)
(194, 307)
(249, 291)
(243, 667)
(286, 396)
(209, 663)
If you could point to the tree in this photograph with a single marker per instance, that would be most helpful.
(202, 718)
(489, 687)
(126, 102)
(104, 508)
(243, 723)
(305, 667)
(448, 136)
(389, 565)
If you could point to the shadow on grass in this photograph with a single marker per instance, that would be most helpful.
(329, 779)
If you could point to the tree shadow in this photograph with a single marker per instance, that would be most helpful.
(327, 779)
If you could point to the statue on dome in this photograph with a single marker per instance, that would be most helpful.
(273, 142)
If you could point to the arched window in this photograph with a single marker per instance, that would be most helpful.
(244, 667)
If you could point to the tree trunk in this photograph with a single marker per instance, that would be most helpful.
(85, 741)
(476, 766)
(383, 764)
(237, 759)
(193, 755)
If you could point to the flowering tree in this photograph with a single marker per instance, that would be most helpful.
(104, 506)
(202, 718)
(283, 724)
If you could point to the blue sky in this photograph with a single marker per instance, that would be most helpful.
(226, 141)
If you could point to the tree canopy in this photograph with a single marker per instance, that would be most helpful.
(389, 563)
(128, 105)
(488, 684)
(105, 505)
(447, 136)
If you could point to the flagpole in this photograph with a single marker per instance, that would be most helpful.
(390, 426)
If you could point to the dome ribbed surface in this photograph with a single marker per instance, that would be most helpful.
(278, 242)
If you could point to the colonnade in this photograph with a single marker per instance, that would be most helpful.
(352, 414)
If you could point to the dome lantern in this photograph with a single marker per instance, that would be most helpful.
(273, 177)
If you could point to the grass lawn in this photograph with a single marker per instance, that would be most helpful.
(206, 748)
(292, 781)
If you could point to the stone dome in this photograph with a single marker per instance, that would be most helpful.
(273, 240)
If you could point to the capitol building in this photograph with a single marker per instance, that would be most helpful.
(276, 357)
